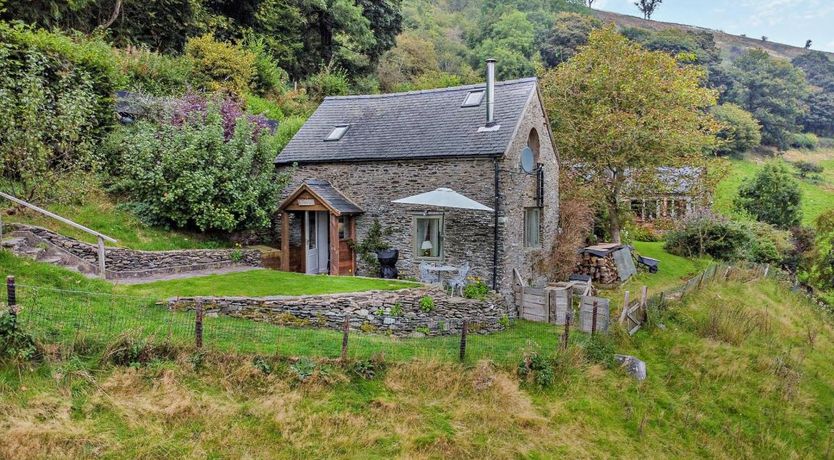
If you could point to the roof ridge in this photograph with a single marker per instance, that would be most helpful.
(433, 90)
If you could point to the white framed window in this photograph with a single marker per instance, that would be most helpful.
(428, 237)
(532, 227)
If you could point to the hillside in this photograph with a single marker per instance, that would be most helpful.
(709, 357)
(729, 44)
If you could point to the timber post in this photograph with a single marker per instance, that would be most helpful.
(198, 325)
(463, 331)
(345, 333)
(594, 319)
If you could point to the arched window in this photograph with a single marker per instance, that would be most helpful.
(534, 143)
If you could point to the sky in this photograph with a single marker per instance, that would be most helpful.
(786, 21)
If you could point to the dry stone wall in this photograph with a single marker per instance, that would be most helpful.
(123, 263)
(392, 312)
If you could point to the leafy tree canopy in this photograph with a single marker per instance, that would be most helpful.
(773, 90)
(739, 132)
(772, 196)
(620, 109)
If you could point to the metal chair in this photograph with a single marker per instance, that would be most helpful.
(426, 275)
(458, 282)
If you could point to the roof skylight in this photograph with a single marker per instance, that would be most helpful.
(337, 133)
(473, 98)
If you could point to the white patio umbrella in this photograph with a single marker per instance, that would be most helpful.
(444, 198)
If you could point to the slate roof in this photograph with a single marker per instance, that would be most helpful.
(417, 124)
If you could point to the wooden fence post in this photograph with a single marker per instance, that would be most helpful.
(463, 331)
(566, 333)
(594, 319)
(198, 324)
(660, 302)
(345, 333)
(625, 307)
(644, 296)
(102, 272)
(11, 297)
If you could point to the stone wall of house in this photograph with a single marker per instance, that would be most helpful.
(373, 185)
(389, 312)
(519, 192)
(469, 234)
(127, 263)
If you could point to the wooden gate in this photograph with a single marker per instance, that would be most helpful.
(534, 304)
(594, 314)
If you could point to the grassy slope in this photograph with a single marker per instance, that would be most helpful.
(712, 391)
(99, 213)
(816, 197)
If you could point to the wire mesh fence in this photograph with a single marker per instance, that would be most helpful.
(62, 315)
(58, 316)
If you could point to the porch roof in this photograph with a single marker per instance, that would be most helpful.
(326, 194)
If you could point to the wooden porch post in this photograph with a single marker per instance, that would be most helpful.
(285, 241)
(334, 244)
(352, 237)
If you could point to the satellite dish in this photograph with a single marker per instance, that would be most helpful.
(528, 160)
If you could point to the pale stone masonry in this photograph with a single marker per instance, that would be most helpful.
(431, 141)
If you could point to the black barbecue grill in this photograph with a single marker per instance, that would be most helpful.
(388, 263)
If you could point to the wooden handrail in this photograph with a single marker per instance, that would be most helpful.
(100, 236)
(57, 217)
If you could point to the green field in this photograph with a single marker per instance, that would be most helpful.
(817, 197)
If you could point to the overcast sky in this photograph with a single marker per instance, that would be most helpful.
(785, 21)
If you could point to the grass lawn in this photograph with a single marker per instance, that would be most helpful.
(260, 283)
(816, 197)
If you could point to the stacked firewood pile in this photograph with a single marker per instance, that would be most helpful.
(602, 270)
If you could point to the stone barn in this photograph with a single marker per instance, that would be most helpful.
(356, 154)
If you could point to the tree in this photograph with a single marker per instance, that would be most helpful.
(569, 32)
(622, 111)
(808, 44)
(772, 90)
(647, 7)
(512, 42)
(772, 196)
(740, 132)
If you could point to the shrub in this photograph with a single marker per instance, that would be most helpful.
(805, 168)
(740, 131)
(328, 82)
(265, 107)
(772, 196)
(158, 74)
(427, 303)
(476, 290)
(373, 242)
(535, 368)
(192, 176)
(268, 77)
(57, 102)
(222, 65)
(807, 141)
(14, 342)
(704, 233)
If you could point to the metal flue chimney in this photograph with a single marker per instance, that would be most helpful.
(490, 92)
